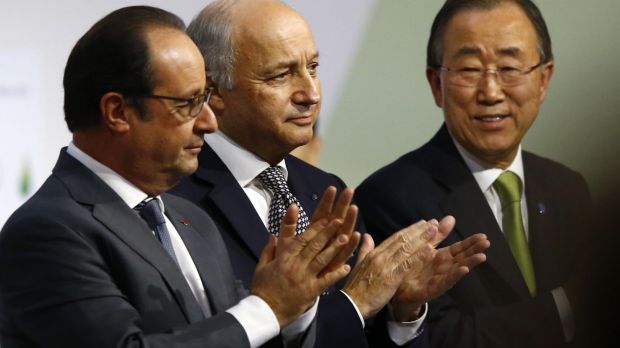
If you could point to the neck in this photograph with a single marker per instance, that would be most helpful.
(115, 156)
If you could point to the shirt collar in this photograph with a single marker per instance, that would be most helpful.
(243, 164)
(128, 192)
(485, 177)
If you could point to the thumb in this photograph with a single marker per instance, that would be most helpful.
(269, 251)
(367, 245)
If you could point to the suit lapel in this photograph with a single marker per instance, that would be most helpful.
(303, 188)
(543, 231)
(465, 201)
(112, 212)
(231, 201)
(206, 259)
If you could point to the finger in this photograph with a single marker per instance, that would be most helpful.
(405, 235)
(287, 243)
(289, 222)
(345, 252)
(347, 229)
(368, 244)
(268, 252)
(473, 261)
(327, 257)
(342, 206)
(319, 239)
(324, 208)
(332, 277)
(469, 246)
(404, 244)
(445, 226)
(454, 276)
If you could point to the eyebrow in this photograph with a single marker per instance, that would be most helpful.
(510, 51)
(286, 64)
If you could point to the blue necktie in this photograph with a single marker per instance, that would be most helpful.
(151, 212)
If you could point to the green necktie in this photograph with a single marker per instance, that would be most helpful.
(508, 187)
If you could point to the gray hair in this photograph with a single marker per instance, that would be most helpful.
(212, 32)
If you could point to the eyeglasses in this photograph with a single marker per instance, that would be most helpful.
(507, 76)
(191, 107)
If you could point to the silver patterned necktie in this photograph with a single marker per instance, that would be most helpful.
(273, 178)
(150, 211)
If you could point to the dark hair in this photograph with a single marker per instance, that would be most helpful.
(112, 56)
(434, 50)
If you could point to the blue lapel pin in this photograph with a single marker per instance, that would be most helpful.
(542, 208)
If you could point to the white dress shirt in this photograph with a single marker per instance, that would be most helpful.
(254, 314)
(245, 167)
(485, 177)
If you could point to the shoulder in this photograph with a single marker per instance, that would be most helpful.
(410, 169)
(186, 208)
(303, 171)
(553, 171)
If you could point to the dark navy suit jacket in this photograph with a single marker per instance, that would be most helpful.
(215, 189)
(491, 306)
(79, 268)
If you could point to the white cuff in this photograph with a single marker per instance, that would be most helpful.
(403, 332)
(301, 324)
(359, 314)
(565, 312)
(257, 319)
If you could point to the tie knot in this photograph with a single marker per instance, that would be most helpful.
(508, 187)
(150, 211)
(273, 178)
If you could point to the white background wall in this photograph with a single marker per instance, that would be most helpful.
(376, 106)
(35, 40)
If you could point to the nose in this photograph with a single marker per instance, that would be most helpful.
(309, 90)
(205, 121)
(490, 92)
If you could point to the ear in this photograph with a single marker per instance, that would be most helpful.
(115, 112)
(432, 75)
(545, 76)
(216, 103)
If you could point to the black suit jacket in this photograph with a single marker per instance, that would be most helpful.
(491, 306)
(215, 189)
(79, 268)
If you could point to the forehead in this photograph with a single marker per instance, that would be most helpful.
(176, 61)
(281, 36)
(504, 30)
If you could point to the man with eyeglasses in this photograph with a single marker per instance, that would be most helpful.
(262, 60)
(100, 256)
(489, 66)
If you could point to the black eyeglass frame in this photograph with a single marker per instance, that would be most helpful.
(194, 103)
(498, 73)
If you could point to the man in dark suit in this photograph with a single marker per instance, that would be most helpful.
(489, 66)
(262, 61)
(81, 267)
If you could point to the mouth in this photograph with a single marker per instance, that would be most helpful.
(491, 118)
(194, 147)
(302, 120)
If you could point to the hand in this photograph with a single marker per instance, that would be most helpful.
(379, 271)
(294, 270)
(438, 271)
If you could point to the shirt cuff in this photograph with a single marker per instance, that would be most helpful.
(565, 312)
(257, 319)
(301, 324)
(359, 314)
(403, 332)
